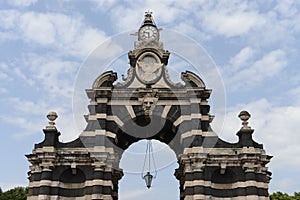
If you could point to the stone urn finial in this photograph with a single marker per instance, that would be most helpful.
(245, 116)
(52, 117)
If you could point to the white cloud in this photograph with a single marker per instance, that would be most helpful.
(8, 36)
(30, 117)
(54, 79)
(67, 35)
(103, 4)
(28, 126)
(125, 16)
(241, 59)
(38, 28)
(247, 72)
(14, 73)
(18, 72)
(86, 42)
(216, 18)
(8, 18)
(22, 3)
(26, 115)
(8, 21)
(271, 63)
(275, 31)
(52, 74)
(232, 24)
(125, 19)
(187, 27)
(281, 25)
(288, 8)
(24, 107)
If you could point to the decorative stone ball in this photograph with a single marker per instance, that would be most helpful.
(52, 116)
(244, 115)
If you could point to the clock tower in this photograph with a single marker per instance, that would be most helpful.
(146, 104)
(148, 31)
(148, 56)
(148, 34)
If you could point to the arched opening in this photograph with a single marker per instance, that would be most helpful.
(72, 184)
(224, 180)
(133, 187)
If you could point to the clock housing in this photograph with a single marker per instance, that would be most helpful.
(148, 32)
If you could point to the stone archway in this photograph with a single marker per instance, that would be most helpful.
(148, 105)
(177, 115)
(132, 185)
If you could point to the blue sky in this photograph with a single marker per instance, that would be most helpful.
(254, 44)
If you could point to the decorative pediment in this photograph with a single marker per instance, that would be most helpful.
(192, 80)
(159, 73)
(105, 80)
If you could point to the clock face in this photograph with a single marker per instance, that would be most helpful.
(148, 33)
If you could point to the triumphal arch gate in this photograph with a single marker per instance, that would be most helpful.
(146, 104)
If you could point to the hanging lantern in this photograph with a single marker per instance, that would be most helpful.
(148, 179)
